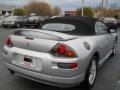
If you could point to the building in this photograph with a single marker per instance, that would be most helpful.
(70, 13)
(6, 9)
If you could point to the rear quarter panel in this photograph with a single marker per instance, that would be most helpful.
(83, 54)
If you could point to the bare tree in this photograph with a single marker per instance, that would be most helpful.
(39, 8)
(56, 10)
(87, 12)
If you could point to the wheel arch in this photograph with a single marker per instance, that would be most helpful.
(116, 38)
(97, 55)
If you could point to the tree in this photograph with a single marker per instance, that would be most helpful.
(79, 12)
(116, 16)
(87, 12)
(19, 12)
(56, 11)
(39, 8)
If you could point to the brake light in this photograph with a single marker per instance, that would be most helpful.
(8, 42)
(63, 50)
(67, 65)
(73, 65)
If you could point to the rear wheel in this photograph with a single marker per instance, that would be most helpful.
(91, 73)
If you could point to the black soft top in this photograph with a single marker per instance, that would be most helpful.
(84, 25)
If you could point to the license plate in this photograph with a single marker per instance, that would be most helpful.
(28, 61)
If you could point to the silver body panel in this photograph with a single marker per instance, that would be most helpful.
(45, 67)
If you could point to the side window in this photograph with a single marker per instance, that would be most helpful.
(20, 18)
(102, 27)
(97, 30)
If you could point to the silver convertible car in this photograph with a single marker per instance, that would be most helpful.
(64, 52)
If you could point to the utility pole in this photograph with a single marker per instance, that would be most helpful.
(107, 6)
(102, 3)
(82, 8)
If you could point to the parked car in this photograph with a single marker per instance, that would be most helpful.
(13, 21)
(111, 22)
(1, 18)
(65, 52)
(55, 17)
(25, 19)
(34, 21)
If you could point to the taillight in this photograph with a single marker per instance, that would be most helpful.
(8, 42)
(73, 65)
(67, 65)
(63, 51)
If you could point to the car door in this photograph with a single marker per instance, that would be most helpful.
(104, 37)
(20, 19)
(110, 38)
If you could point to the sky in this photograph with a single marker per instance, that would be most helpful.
(64, 4)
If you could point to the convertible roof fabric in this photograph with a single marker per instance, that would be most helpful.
(84, 25)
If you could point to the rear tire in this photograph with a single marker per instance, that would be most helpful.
(91, 73)
(5, 26)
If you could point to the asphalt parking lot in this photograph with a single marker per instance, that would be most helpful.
(106, 79)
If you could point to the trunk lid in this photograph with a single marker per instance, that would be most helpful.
(38, 40)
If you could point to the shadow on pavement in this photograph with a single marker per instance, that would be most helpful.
(40, 86)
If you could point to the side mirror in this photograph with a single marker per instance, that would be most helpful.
(112, 30)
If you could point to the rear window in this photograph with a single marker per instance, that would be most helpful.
(59, 27)
(72, 27)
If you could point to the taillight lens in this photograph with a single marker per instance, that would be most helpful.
(63, 51)
(8, 42)
(73, 65)
(67, 65)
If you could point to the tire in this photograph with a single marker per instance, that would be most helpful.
(91, 73)
(114, 49)
(36, 26)
(5, 26)
(28, 26)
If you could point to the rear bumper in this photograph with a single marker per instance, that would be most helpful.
(52, 80)
(45, 69)
(10, 25)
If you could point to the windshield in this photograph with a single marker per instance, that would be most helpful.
(58, 27)
(110, 19)
(34, 17)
